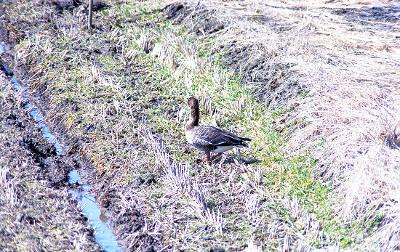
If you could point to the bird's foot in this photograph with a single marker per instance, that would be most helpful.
(207, 159)
(216, 156)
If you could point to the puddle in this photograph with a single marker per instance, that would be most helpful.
(2, 48)
(102, 233)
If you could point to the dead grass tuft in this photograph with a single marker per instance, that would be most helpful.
(291, 56)
(8, 193)
(326, 67)
(179, 181)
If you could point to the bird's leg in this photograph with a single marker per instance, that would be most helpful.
(208, 157)
(216, 156)
(222, 161)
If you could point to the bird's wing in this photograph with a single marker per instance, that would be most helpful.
(212, 136)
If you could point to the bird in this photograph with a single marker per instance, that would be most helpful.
(209, 139)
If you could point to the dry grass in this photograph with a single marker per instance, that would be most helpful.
(348, 70)
(321, 79)
(178, 180)
(102, 98)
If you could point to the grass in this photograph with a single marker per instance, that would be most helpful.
(35, 214)
(255, 120)
(104, 98)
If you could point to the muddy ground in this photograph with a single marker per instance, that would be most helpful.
(36, 211)
(54, 210)
(111, 94)
(149, 204)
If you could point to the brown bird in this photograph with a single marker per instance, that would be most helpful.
(209, 139)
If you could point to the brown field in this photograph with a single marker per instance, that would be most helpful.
(313, 83)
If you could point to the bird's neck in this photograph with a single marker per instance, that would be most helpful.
(194, 119)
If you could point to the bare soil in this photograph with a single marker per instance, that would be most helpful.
(37, 213)
(47, 167)
(97, 89)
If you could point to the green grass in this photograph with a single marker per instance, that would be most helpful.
(294, 178)
(115, 91)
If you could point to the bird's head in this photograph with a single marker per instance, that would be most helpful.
(193, 103)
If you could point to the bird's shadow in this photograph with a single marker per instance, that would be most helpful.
(231, 159)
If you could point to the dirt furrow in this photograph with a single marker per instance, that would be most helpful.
(36, 211)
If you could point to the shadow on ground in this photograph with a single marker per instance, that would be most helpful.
(384, 17)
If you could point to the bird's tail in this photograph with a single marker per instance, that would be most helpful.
(243, 142)
(245, 139)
